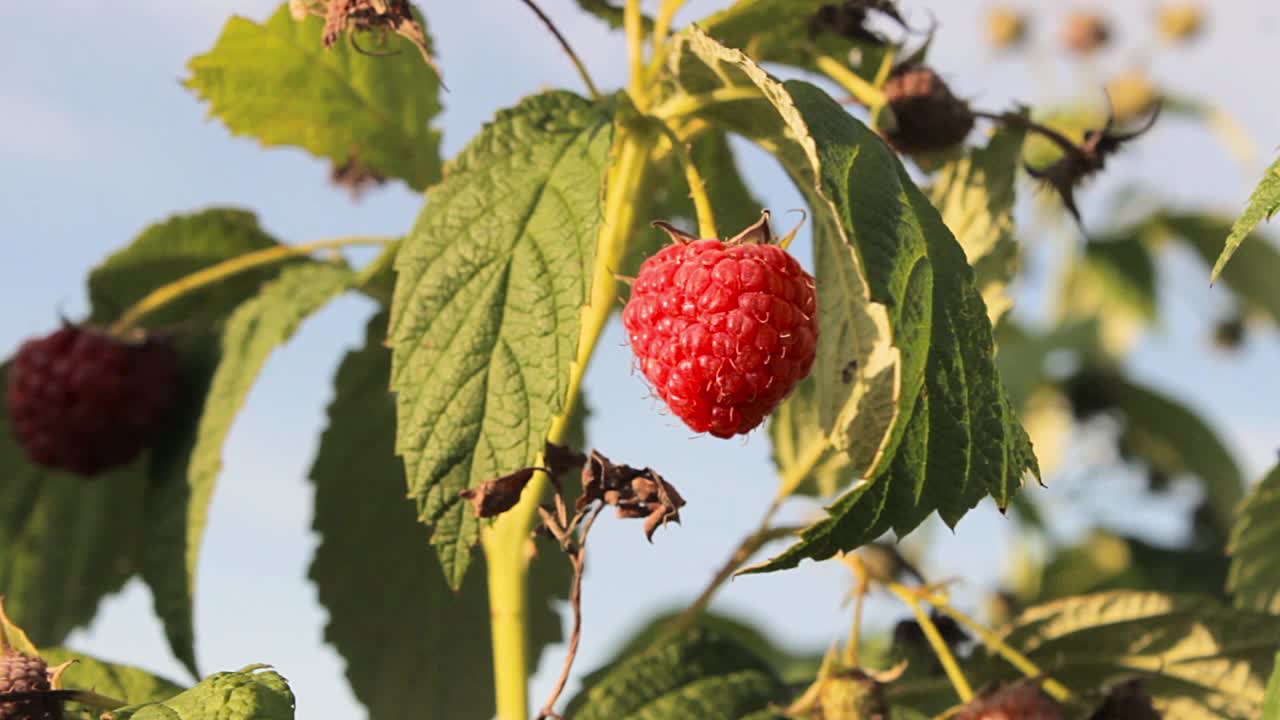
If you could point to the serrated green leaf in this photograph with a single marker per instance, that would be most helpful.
(254, 693)
(484, 323)
(1263, 205)
(179, 509)
(1196, 658)
(975, 195)
(275, 82)
(1257, 264)
(905, 373)
(1254, 579)
(858, 371)
(698, 675)
(791, 667)
(122, 682)
(412, 646)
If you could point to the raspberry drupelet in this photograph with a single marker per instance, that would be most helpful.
(723, 330)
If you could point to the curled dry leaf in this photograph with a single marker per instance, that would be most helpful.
(561, 459)
(494, 497)
(848, 20)
(352, 16)
(634, 492)
(355, 177)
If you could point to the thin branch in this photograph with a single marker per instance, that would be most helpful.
(632, 23)
(746, 548)
(697, 185)
(579, 559)
(940, 649)
(573, 56)
(166, 294)
(1015, 120)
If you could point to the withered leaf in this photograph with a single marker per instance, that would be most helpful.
(636, 493)
(495, 497)
(561, 459)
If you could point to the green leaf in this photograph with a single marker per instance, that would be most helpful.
(611, 13)
(1196, 658)
(1122, 274)
(1107, 561)
(1263, 205)
(802, 453)
(484, 324)
(254, 693)
(420, 649)
(792, 667)
(67, 542)
(1271, 706)
(178, 510)
(122, 682)
(1251, 277)
(172, 249)
(975, 195)
(698, 675)
(275, 82)
(1254, 579)
(778, 31)
(1114, 284)
(905, 373)
(1171, 438)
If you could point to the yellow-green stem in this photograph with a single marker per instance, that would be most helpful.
(993, 641)
(505, 543)
(697, 186)
(863, 91)
(166, 294)
(632, 23)
(940, 649)
(886, 66)
(683, 105)
(853, 651)
(661, 31)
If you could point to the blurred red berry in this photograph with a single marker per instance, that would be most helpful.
(85, 401)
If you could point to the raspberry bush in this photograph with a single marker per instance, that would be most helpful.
(884, 350)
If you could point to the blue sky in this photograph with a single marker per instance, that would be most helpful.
(98, 139)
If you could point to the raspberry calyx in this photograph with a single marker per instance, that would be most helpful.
(85, 401)
(723, 329)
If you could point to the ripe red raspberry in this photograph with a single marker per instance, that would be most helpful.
(724, 330)
(929, 118)
(85, 401)
(23, 673)
(1023, 701)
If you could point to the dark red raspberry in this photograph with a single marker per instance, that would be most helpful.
(23, 673)
(724, 330)
(1022, 701)
(85, 401)
(929, 118)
